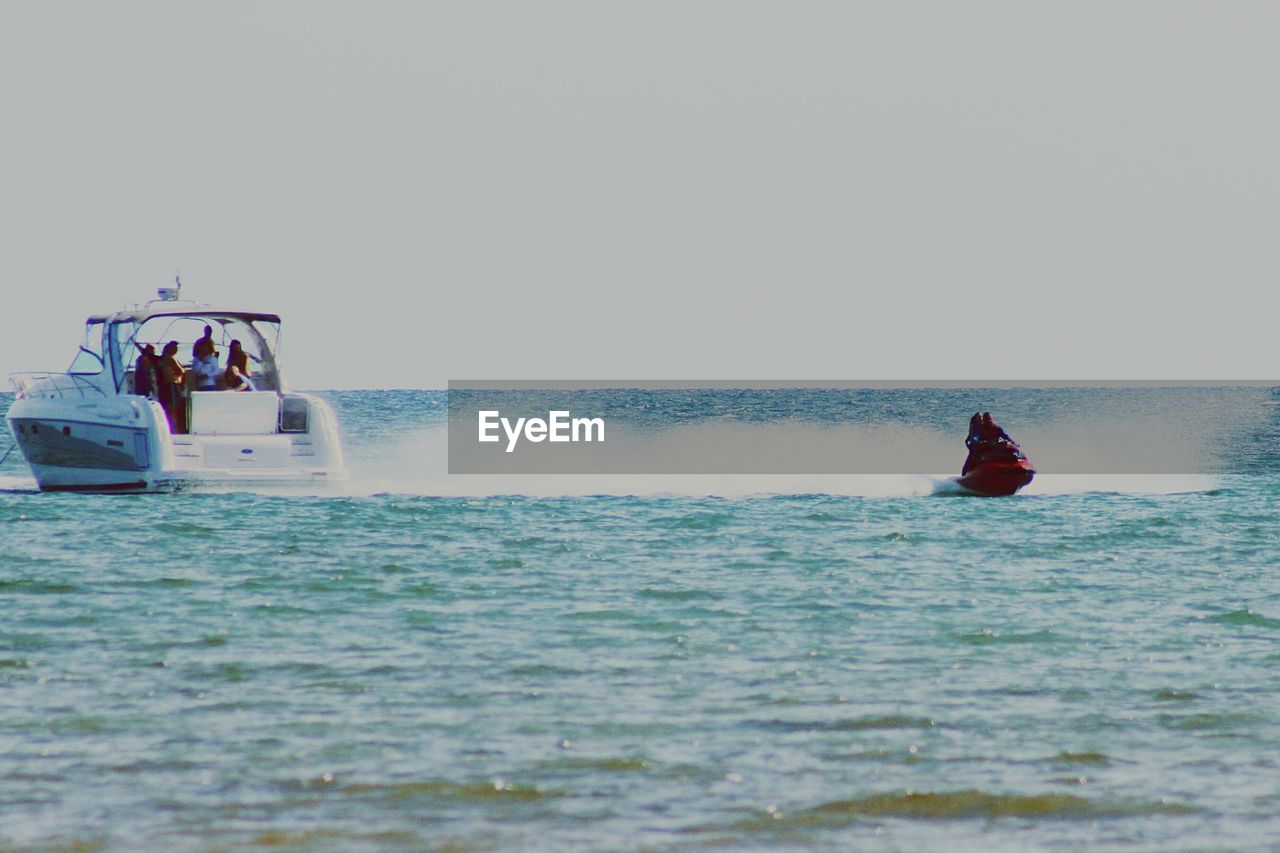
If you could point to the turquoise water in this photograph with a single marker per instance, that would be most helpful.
(389, 668)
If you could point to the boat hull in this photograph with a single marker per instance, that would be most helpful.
(124, 444)
(997, 478)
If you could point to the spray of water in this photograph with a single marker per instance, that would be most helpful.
(1158, 451)
(417, 463)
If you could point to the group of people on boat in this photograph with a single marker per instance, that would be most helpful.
(987, 441)
(167, 380)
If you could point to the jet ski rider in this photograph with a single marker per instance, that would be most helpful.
(986, 436)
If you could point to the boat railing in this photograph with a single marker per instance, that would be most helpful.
(52, 386)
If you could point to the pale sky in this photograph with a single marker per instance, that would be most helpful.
(660, 190)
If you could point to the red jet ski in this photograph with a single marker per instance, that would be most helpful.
(996, 466)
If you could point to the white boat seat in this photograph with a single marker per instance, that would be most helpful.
(234, 412)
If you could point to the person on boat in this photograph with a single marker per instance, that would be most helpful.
(145, 371)
(171, 376)
(975, 429)
(207, 341)
(990, 431)
(205, 365)
(237, 377)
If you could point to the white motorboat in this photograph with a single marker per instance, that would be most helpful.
(99, 428)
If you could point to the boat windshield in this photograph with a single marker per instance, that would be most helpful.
(259, 339)
(88, 359)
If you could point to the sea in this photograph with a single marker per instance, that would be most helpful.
(419, 660)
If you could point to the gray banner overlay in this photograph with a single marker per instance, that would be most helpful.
(858, 427)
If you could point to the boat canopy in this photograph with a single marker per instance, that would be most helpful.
(141, 315)
(124, 331)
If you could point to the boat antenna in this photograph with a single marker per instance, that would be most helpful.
(169, 294)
